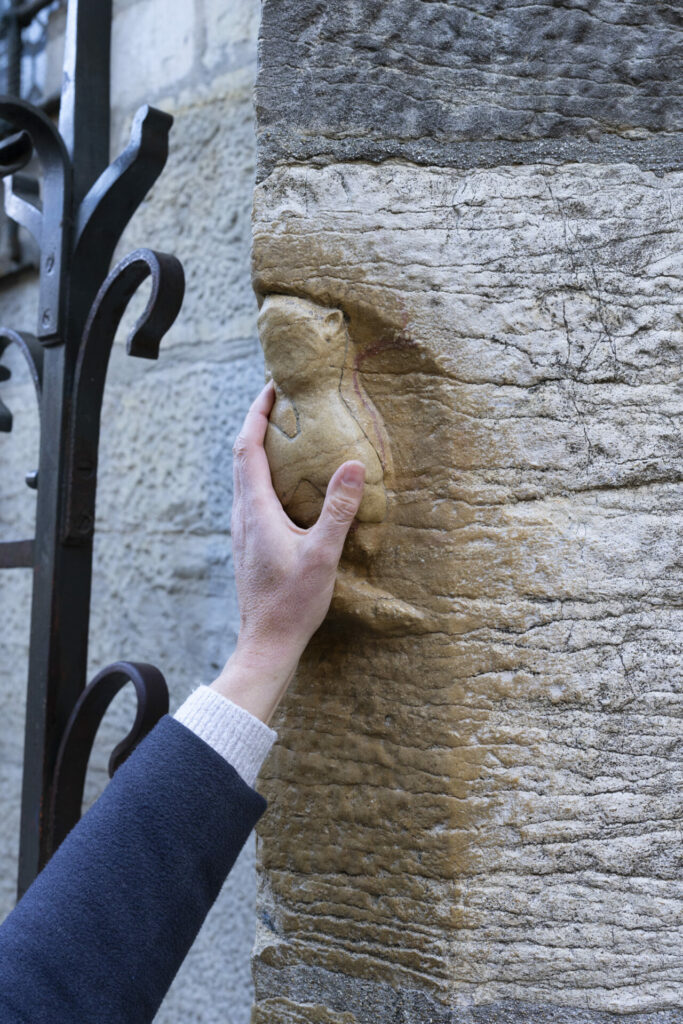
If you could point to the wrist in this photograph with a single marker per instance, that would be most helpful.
(256, 678)
(239, 737)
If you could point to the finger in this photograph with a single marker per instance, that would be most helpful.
(251, 469)
(343, 497)
(255, 423)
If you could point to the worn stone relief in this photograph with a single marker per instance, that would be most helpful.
(322, 416)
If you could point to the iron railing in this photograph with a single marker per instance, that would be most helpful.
(85, 206)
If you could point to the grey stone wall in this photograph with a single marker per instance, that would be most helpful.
(465, 85)
(163, 586)
(487, 800)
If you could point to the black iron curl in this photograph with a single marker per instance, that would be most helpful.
(168, 286)
(79, 735)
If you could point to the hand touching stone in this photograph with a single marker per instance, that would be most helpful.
(322, 413)
(284, 574)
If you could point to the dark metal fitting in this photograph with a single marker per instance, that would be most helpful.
(15, 152)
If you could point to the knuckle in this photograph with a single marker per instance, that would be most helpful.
(240, 448)
(341, 509)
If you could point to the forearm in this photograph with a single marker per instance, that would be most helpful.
(256, 677)
(103, 929)
(226, 725)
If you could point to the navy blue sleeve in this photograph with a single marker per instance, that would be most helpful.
(102, 931)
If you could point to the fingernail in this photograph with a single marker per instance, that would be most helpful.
(354, 475)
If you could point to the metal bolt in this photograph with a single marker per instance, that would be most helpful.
(85, 523)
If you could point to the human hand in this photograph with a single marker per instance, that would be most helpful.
(284, 574)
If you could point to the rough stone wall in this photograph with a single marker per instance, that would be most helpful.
(162, 589)
(476, 797)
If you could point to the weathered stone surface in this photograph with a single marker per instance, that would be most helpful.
(370, 1001)
(144, 28)
(199, 210)
(474, 813)
(491, 82)
(229, 32)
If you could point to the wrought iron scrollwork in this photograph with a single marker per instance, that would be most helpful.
(50, 224)
(15, 152)
(33, 354)
(168, 284)
(81, 729)
(84, 208)
(115, 196)
(112, 200)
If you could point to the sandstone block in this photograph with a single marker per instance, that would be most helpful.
(145, 28)
(199, 209)
(229, 30)
(473, 801)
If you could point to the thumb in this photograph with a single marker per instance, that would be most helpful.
(344, 493)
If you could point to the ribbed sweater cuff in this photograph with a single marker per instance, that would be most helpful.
(243, 740)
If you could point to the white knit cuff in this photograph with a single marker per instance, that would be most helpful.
(234, 733)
